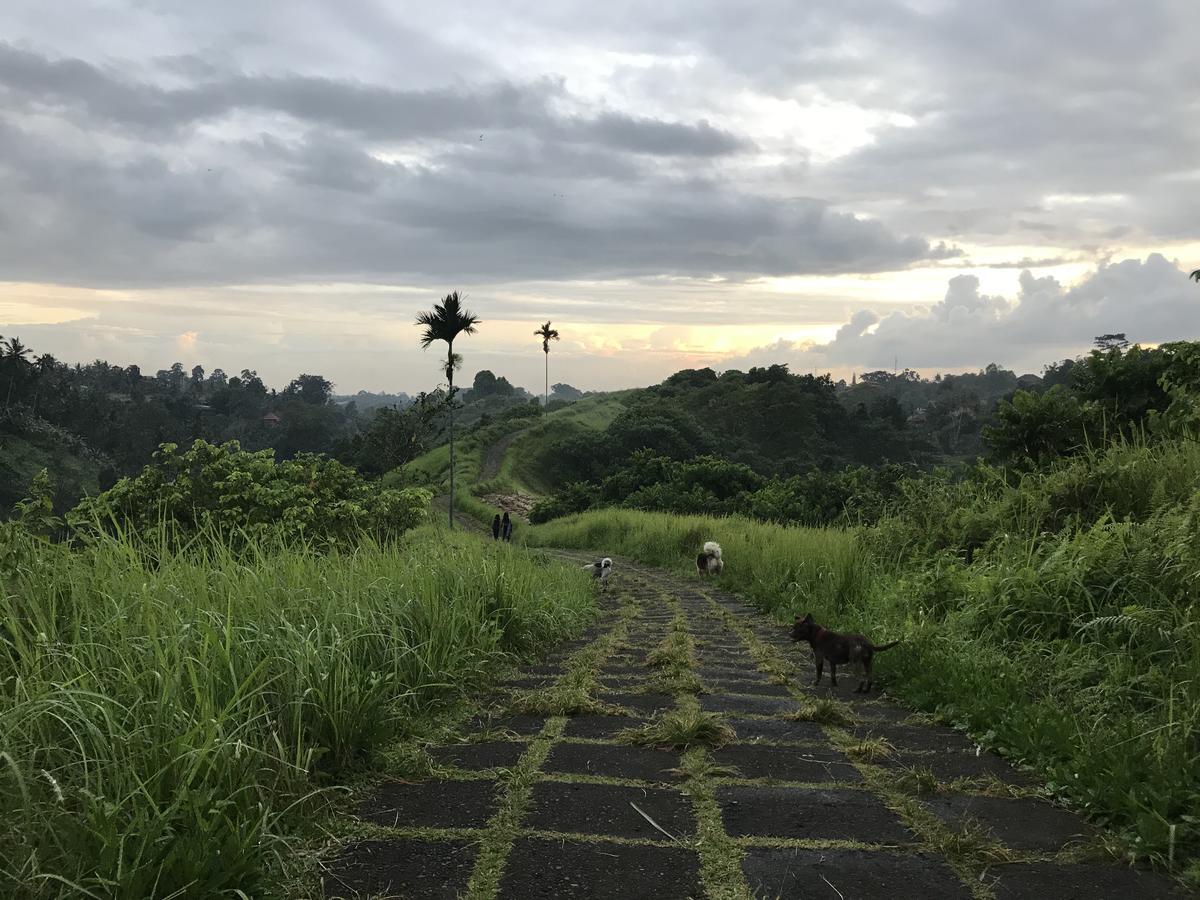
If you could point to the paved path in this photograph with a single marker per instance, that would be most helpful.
(544, 796)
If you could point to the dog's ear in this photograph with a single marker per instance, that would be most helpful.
(808, 618)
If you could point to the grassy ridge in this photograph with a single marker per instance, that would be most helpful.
(522, 466)
(519, 470)
(1036, 648)
(166, 726)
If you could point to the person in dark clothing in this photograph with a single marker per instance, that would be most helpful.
(496, 527)
(506, 527)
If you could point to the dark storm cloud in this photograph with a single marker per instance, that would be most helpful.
(371, 111)
(642, 135)
(107, 95)
(322, 209)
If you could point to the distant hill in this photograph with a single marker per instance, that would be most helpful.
(29, 444)
(367, 401)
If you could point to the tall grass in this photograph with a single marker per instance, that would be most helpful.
(781, 568)
(167, 721)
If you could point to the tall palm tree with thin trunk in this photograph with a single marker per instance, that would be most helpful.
(17, 363)
(547, 334)
(447, 321)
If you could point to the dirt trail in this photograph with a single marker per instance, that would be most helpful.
(517, 504)
(493, 459)
(533, 803)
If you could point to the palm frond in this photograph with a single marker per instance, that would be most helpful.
(547, 334)
(446, 321)
(1195, 276)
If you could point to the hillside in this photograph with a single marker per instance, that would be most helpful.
(719, 436)
(24, 452)
(500, 462)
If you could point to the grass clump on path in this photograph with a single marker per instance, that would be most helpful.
(823, 712)
(681, 729)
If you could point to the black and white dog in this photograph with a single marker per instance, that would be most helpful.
(600, 569)
(709, 562)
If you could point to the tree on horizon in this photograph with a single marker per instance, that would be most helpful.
(446, 322)
(547, 334)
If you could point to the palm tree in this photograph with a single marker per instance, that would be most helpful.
(547, 334)
(447, 321)
(18, 352)
(1195, 275)
(17, 363)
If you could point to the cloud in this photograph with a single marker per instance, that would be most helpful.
(640, 166)
(1150, 300)
(545, 195)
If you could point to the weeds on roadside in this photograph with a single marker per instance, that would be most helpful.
(871, 750)
(917, 781)
(823, 712)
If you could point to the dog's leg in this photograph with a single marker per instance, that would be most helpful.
(820, 668)
(832, 673)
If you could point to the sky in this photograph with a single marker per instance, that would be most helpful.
(840, 185)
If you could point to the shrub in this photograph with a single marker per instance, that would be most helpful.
(228, 491)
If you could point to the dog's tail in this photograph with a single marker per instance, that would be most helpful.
(883, 647)
(712, 548)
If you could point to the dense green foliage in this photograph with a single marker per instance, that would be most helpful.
(767, 443)
(249, 496)
(767, 419)
(1109, 395)
(712, 485)
(394, 436)
(92, 424)
(169, 722)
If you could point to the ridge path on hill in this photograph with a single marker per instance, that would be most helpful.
(541, 795)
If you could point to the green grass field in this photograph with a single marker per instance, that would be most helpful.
(169, 723)
(782, 569)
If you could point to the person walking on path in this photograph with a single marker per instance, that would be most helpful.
(496, 527)
(507, 527)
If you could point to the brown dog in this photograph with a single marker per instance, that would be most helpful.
(838, 648)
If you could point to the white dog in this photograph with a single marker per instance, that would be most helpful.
(709, 562)
(601, 569)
